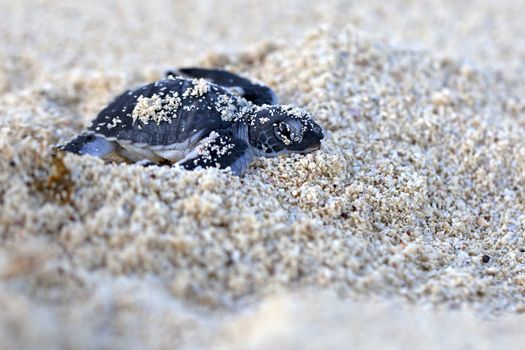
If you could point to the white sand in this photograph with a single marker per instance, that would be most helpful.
(405, 231)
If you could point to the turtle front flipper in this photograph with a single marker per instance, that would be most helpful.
(257, 93)
(222, 150)
(88, 143)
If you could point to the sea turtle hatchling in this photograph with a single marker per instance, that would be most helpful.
(198, 118)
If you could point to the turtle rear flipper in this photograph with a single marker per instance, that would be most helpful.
(91, 144)
(221, 150)
(257, 93)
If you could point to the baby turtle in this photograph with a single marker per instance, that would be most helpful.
(198, 118)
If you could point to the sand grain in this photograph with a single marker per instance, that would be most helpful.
(420, 178)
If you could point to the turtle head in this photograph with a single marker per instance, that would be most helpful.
(284, 129)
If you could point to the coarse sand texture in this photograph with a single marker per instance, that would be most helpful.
(408, 225)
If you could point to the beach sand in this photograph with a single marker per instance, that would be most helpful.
(406, 230)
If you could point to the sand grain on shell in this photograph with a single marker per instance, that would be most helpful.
(200, 88)
(156, 108)
(420, 178)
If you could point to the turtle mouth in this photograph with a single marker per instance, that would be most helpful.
(312, 148)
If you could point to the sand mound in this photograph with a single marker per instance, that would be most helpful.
(416, 195)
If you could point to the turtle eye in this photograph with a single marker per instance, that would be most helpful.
(289, 132)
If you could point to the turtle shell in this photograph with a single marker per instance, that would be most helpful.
(170, 111)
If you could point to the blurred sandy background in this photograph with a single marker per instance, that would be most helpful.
(377, 241)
